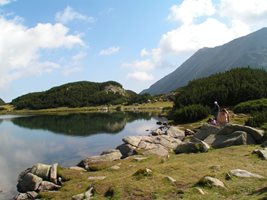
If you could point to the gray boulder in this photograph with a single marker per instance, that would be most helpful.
(53, 173)
(206, 130)
(26, 196)
(28, 182)
(158, 131)
(232, 139)
(167, 141)
(192, 147)
(126, 150)
(132, 140)
(159, 151)
(41, 170)
(256, 134)
(175, 132)
(46, 186)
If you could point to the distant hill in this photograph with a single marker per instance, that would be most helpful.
(77, 94)
(250, 50)
(1, 102)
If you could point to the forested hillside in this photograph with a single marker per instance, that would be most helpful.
(1, 102)
(228, 88)
(76, 94)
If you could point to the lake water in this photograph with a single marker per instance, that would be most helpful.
(66, 139)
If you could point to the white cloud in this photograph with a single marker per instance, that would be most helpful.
(69, 14)
(4, 2)
(140, 65)
(140, 76)
(20, 48)
(75, 64)
(109, 51)
(188, 10)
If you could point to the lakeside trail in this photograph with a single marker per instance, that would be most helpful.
(191, 169)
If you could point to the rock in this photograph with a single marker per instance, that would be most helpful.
(28, 182)
(26, 196)
(200, 191)
(46, 186)
(206, 130)
(115, 167)
(211, 182)
(53, 173)
(158, 131)
(84, 196)
(262, 153)
(256, 134)
(235, 138)
(106, 156)
(175, 132)
(41, 170)
(96, 177)
(244, 174)
(140, 158)
(143, 172)
(159, 151)
(77, 168)
(192, 147)
(188, 132)
(126, 150)
(132, 140)
(170, 179)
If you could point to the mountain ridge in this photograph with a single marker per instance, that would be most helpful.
(249, 50)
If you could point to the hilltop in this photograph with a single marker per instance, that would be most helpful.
(250, 50)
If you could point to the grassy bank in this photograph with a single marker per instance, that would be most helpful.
(186, 169)
(147, 107)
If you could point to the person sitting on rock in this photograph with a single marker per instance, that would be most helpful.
(223, 117)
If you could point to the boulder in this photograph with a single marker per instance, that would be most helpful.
(175, 132)
(159, 151)
(167, 141)
(158, 131)
(77, 168)
(53, 173)
(41, 170)
(106, 156)
(132, 140)
(211, 182)
(232, 139)
(28, 182)
(256, 134)
(244, 174)
(126, 150)
(262, 153)
(206, 130)
(47, 186)
(192, 147)
(26, 196)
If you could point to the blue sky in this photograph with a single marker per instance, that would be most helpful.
(46, 43)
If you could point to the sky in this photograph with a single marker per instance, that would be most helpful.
(47, 43)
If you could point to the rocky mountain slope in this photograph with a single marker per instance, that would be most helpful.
(250, 50)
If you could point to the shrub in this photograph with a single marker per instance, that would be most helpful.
(190, 113)
(258, 105)
(257, 120)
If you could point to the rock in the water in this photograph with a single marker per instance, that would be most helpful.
(53, 173)
(175, 132)
(211, 182)
(262, 153)
(244, 174)
(28, 182)
(26, 196)
(46, 186)
(132, 140)
(41, 170)
(126, 150)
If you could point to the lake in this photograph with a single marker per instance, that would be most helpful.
(65, 139)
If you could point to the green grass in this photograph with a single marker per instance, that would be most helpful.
(186, 169)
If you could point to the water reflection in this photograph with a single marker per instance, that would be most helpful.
(80, 124)
(28, 140)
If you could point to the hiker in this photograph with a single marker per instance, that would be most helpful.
(223, 117)
(216, 110)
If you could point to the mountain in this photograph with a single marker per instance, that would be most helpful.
(77, 94)
(1, 102)
(249, 50)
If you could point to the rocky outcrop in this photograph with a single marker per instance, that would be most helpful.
(40, 177)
